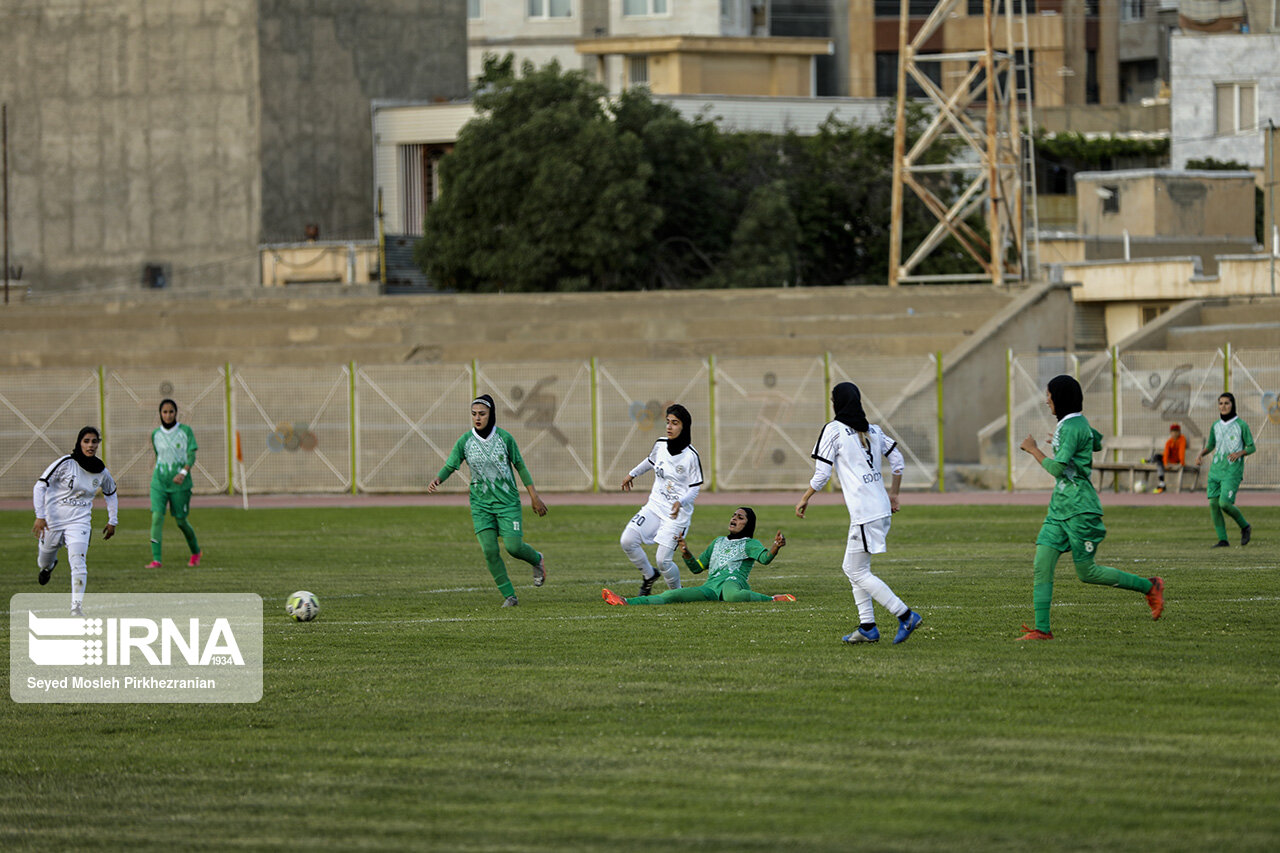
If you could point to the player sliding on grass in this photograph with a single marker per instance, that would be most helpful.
(1074, 520)
(730, 559)
(853, 448)
(677, 477)
(491, 453)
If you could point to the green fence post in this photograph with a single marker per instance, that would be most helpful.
(1008, 419)
(351, 409)
(475, 382)
(1115, 408)
(231, 433)
(102, 408)
(942, 475)
(1226, 369)
(595, 429)
(711, 378)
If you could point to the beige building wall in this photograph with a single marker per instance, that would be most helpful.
(1165, 203)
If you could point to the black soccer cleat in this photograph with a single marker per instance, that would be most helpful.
(646, 584)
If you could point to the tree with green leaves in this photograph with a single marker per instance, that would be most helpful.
(541, 192)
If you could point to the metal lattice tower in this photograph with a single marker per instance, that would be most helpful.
(1000, 180)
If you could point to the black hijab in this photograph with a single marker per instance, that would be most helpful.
(749, 529)
(92, 464)
(846, 401)
(680, 442)
(1068, 397)
(1232, 398)
(493, 415)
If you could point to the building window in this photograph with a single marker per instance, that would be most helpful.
(887, 75)
(638, 70)
(1131, 10)
(1110, 199)
(550, 9)
(1237, 107)
(473, 10)
(647, 7)
(997, 8)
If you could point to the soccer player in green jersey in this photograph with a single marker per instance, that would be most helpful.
(1074, 520)
(175, 448)
(729, 558)
(1230, 441)
(491, 453)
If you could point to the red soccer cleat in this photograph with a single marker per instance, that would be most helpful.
(612, 597)
(195, 560)
(154, 564)
(1155, 597)
(786, 596)
(1035, 634)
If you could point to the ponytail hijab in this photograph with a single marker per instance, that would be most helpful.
(486, 400)
(680, 442)
(92, 464)
(1068, 397)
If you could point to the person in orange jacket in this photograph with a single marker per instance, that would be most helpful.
(1174, 455)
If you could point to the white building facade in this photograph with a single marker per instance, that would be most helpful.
(1225, 90)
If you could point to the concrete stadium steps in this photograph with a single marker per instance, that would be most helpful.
(148, 330)
(1247, 324)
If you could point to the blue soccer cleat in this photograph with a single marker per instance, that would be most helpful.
(862, 636)
(906, 626)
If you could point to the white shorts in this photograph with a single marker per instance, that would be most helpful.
(75, 537)
(654, 526)
(868, 537)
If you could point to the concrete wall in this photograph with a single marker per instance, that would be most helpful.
(133, 138)
(322, 63)
(183, 133)
(1168, 203)
(1197, 64)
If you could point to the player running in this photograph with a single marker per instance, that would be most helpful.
(491, 453)
(171, 481)
(730, 559)
(853, 448)
(1074, 519)
(677, 477)
(63, 498)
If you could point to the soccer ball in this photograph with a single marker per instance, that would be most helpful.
(302, 606)
(1139, 486)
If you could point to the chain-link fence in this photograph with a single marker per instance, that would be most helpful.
(1139, 395)
(582, 425)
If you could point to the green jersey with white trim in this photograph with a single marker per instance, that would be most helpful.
(175, 449)
(730, 558)
(1225, 438)
(1074, 443)
(491, 460)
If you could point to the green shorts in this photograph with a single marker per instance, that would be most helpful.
(1226, 489)
(1079, 534)
(178, 501)
(505, 520)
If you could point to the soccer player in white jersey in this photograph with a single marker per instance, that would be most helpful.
(677, 477)
(853, 448)
(63, 498)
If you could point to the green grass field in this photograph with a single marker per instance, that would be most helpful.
(417, 714)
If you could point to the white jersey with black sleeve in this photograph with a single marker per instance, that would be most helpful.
(675, 478)
(63, 496)
(857, 468)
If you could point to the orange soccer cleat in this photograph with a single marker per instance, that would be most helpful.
(154, 564)
(1035, 634)
(195, 560)
(1155, 597)
(612, 597)
(786, 596)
